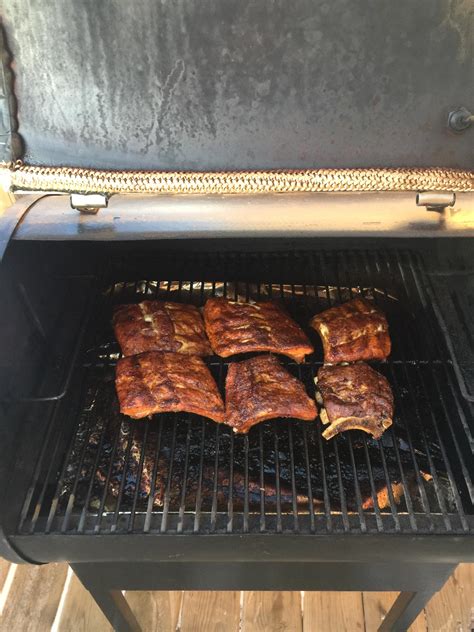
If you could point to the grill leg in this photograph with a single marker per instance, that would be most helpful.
(408, 605)
(404, 611)
(112, 603)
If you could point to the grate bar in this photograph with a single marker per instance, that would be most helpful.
(216, 475)
(103, 499)
(151, 497)
(246, 484)
(138, 478)
(114, 526)
(166, 503)
(262, 479)
(197, 515)
(279, 525)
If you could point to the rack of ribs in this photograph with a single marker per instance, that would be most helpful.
(260, 389)
(356, 330)
(158, 382)
(160, 326)
(354, 397)
(234, 327)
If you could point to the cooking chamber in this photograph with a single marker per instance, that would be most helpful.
(84, 483)
(96, 471)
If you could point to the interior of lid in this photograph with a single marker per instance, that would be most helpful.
(241, 84)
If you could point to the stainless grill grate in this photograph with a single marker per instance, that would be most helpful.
(100, 473)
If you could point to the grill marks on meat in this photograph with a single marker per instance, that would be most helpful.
(157, 382)
(356, 330)
(354, 397)
(260, 389)
(160, 326)
(234, 327)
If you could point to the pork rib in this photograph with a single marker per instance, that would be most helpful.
(356, 330)
(260, 389)
(157, 382)
(354, 397)
(160, 326)
(234, 327)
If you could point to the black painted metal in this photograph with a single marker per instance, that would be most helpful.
(241, 83)
(11, 219)
(112, 602)
(408, 605)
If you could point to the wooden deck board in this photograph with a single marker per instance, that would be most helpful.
(206, 611)
(33, 598)
(452, 609)
(36, 592)
(333, 612)
(4, 568)
(156, 611)
(267, 611)
(80, 612)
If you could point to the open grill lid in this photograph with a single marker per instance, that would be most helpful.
(240, 84)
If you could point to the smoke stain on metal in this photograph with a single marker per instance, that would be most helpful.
(240, 84)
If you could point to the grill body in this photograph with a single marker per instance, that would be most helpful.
(277, 509)
(179, 502)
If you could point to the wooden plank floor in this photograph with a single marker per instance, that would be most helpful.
(43, 598)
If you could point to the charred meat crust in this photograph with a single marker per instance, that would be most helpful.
(234, 327)
(158, 382)
(356, 330)
(260, 389)
(354, 397)
(160, 326)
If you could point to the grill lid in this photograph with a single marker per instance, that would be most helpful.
(240, 84)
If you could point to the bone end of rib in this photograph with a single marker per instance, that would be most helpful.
(324, 417)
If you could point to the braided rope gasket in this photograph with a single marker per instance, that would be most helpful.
(79, 180)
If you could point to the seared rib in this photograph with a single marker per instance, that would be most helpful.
(354, 397)
(158, 382)
(234, 327)
(260, 389)
(160, 326)
(356, 330)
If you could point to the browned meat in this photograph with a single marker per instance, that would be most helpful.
(160, 326)
(234, 327)
(356, 330)
(354, 397)
(260, 389)
(158, 382)
(383, 495)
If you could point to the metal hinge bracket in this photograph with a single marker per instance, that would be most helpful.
(437, 201)
(88, 203)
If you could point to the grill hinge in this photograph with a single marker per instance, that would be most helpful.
(436, 200)
(88, 203)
